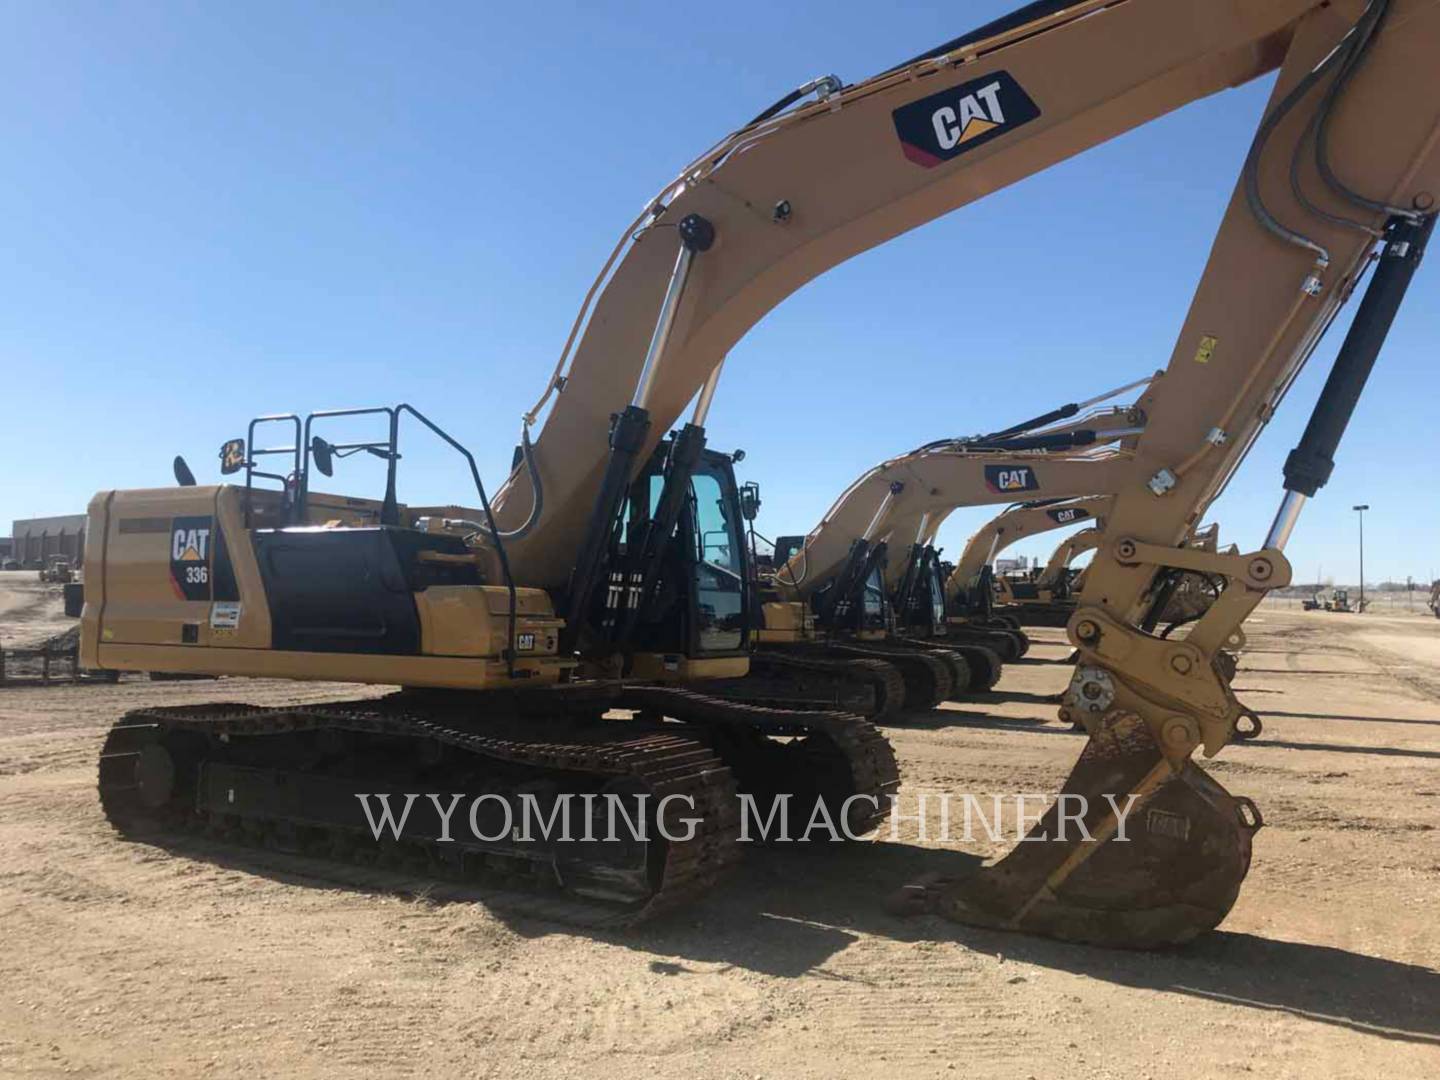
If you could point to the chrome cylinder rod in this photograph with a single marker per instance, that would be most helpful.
(1285, 519)
(696, 235)
(707, 395)
(881, 511)
(674, 293)
(990, 556)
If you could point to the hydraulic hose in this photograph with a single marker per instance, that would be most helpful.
(537, 488)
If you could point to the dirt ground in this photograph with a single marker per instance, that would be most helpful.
(122, 959)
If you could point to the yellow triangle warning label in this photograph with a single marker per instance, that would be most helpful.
(976, 127)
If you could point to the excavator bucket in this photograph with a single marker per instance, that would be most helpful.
(1164, 869)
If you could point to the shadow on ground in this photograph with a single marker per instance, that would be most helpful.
(788, 915)
(1353, 719)
(788, 912)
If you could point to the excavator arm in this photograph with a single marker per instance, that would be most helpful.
(1342, 173)
(798, 191)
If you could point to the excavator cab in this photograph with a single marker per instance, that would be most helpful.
(920, 600)
(931, 598)
(700, 607)
(855, 601)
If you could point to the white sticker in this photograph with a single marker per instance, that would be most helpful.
(225, 615)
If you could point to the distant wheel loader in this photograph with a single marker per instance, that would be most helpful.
(57, 570)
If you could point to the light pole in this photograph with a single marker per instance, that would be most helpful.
(1361, 511)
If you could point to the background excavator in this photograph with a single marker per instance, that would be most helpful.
(1046, 596)
(970, 586)
(596, 576)
(880, 578)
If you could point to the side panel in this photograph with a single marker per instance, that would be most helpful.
(165, 571)
(174, 584)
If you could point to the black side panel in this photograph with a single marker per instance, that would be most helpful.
(222, 573)
(350, 590)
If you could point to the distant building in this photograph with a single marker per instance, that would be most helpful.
(6, 546)
(35, 539)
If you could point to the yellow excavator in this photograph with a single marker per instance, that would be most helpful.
(970, 587)
(609, 572)
(1047, 597)
(839, 588)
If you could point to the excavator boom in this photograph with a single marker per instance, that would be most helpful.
(795, 193)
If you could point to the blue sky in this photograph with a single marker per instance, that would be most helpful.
(214, 211)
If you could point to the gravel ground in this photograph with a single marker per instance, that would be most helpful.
(123, 959)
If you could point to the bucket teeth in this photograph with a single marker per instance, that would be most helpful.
(1170, 870)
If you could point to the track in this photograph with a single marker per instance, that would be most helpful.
(795, 679)
(288, 778)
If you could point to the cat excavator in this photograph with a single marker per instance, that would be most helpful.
(839, 588)
(1047, 598)
(970, 586)
(609, 571)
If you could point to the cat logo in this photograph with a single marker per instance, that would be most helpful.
(1064, 517)
(942, 126)
(1003, 479)
(190, 545)
(190, 557)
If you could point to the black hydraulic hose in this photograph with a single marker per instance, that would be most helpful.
(1064, 440)
(1298, 190)
(826, 84)
(779, 107)
(1309, 465)
(1373, 17)
(1064, 412)
(1166, 585)
(1251, 169)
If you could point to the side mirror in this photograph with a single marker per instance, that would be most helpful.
(232, 457)
(749, 500)
(183, 476)
(324, 455)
